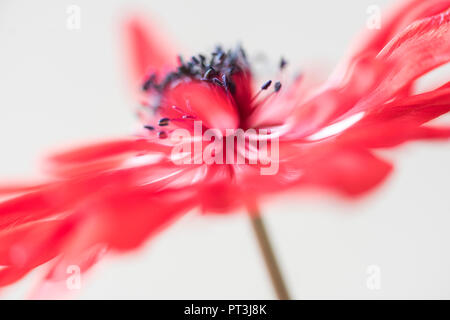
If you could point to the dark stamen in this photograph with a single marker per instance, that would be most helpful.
(266, 85)
(202, 60)
(277, 86)
(163, 122)
(218, 82)
(183, 70)
(242, 51)
(195, 60)
(162, 134)
(218, 67)
(232, 87)
(219, 49)
(225, 81)
(211, 62)
(149, 128)
(209, 73)
(220, 56)
(283, 63)
(149, 82)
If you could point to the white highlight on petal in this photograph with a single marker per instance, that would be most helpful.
(163, 177)
(142, 160)
(337, 127)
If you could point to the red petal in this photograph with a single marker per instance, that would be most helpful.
(270, 114)
(14, 188)
(10, 275)
(423, 46)
(350, 172)
(130, 219)
(29, 207)
(148, 50)
(19, 245)
(400, 121)
(394, 21)
(119, 210)
(54, 285)
(101, 150)
(379, 135)
(219, 181)
(205, 102)
(97, 157)
(243, 92)
(120, 222)
(28, 246)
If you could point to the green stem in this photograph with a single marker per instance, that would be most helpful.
(268, 254)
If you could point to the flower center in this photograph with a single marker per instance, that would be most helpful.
(218, 68)
(223, 70)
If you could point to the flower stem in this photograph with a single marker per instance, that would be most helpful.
(268, 254)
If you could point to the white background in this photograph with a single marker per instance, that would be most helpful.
(59, 86)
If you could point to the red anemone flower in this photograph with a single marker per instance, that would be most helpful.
(116, 194)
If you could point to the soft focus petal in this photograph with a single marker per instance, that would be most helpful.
(349, 172)
(96, 157)
(31, 207)
(422, 47)
(400, 121)
(28, 246)
(149, 50)
(369, 83)
(203, 101)
(371, 41)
